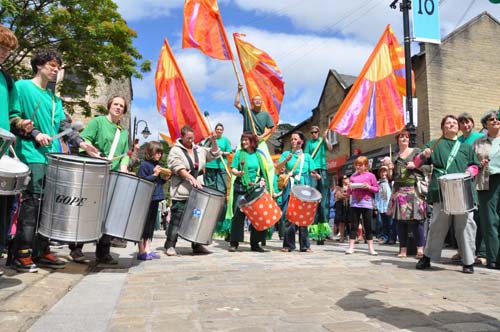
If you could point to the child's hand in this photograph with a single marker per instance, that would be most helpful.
(156, 170)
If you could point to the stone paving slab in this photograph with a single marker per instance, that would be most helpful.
(272, 292)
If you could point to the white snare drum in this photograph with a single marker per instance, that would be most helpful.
(14, 176)
(456, 193)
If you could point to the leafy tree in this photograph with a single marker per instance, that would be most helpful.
(92, 37)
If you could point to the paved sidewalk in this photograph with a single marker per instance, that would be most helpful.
(246, 291)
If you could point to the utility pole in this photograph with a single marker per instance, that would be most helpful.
(405, 7)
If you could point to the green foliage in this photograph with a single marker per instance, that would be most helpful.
(285, 126)
(92, 37)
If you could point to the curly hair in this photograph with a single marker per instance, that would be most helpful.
(7, 38)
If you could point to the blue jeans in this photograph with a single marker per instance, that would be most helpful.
(289, 238)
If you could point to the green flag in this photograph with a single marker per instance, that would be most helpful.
(495, 1)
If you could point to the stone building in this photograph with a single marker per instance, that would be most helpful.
(462, 74)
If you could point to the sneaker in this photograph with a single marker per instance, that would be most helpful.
(154, 255)
(349, 251)
(144, 257)
(1, 273)
(200, 250)
(107, 259)
(118, 243)
(78, 256)
(233, 249)
(257, 248)
(469, 269)
(55, 245)
(423, 263)
(373, 253)
(24, 264)
(50, 261)
(171, 252)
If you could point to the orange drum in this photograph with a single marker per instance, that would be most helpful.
(260, 208)
(302, 205)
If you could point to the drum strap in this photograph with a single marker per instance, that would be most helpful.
(116, 139)
(194, 170)
(452, 156)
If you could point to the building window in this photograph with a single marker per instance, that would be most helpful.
(332, 136)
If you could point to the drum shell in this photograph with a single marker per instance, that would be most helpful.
(127, 206)
(74, 198)
(201, 214)
(302, 205)
(456, 193)
(14, 176)
(262, 211)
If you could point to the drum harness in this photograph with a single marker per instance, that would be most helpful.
(451, 157)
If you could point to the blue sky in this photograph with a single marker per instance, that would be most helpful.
(305, 38)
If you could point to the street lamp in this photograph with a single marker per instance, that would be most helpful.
(145, 132)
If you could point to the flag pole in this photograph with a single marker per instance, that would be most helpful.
(240, 83)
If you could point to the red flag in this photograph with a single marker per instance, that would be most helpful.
(374, 107)
(262, 76)
(174, 99)
(203, 29)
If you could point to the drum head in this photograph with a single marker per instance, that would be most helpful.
(306, 193)
(454, 176)
(77, 159)
(11, 166)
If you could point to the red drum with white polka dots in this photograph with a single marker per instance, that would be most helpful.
(263, 212)
(302, 205)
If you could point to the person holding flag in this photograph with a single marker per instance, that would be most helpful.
(256, 119)
(317, 147)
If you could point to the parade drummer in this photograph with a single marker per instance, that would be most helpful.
(302, 167)
(249, 167)
(186, 160)
(448, 156)
(37, 103)
(317, 147)
(107, 135)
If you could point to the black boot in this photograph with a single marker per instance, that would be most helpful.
(424, 263)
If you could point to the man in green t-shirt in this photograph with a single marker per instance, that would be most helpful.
(255, 120)
(466, 125)
(447, 156)
(317, 147)
(215, 170)
(36, 103)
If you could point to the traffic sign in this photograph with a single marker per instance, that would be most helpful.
(426, 21)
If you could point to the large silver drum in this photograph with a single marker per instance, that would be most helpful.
(200, 217)
(74, 198)
(456, 193)
(127, 208)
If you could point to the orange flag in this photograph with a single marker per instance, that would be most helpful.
(203, 29)
(262, 76)
(174, 99)
(374, 106)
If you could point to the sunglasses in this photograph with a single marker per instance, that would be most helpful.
(314, 132)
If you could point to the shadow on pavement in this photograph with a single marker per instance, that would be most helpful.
(9, 282)
(405, 263)
(413, 320)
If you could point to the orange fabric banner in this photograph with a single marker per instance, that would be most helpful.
(203, 29)
(174, 99)
(262, 76)
(374, 105)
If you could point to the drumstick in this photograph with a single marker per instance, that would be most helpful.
(36, 110)
(436, 143)
(76, 126)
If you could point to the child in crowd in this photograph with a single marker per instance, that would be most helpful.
(150, 169)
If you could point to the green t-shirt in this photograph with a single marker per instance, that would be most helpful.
(307, 167)
(7, 100)
(439, 158)
(224, 146)
(472, 137)
(249, 163)
(261, 119)
(47, 119)
(100, 132)
(320, 156)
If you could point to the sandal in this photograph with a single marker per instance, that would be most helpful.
(349, 251)
(401, 255)
(419, 255)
